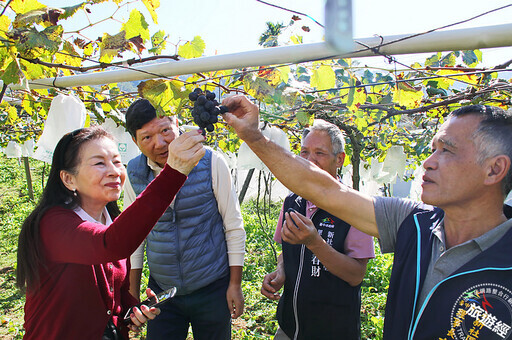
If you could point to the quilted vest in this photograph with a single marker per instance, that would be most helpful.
(187, 246)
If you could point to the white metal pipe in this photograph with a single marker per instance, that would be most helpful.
(453, 40)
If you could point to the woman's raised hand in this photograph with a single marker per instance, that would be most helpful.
(185, 151)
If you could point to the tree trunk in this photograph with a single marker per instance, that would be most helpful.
(245, 186)
(29, 178)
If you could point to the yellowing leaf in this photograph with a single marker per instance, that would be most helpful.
(271, 75)
(69, 57)
(33, 71)
(106, 107)
(469, 78)
(12, 113)
(407, 98)
(24, 6)
(136, 26)
(88, 49)
(356, 96)
(26, 104)
(323, 78)
(444, 83)
(361, 123)
(166, 96)
(257, 87)
(151, 5)
(347, 161)
(192, 49)
(358, 99)
(112, 45)
(4, 25)
(285, 73)
(296, 39)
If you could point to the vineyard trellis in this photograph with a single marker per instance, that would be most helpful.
(376, 107)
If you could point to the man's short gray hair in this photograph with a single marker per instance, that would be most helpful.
(336, 135)
(493, 136)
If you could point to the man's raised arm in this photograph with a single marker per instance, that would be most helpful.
(299, 175)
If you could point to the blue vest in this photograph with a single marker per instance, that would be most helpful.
(187, 246)
(315, 303)
(474, 302)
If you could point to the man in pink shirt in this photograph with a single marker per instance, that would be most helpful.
(323, 260)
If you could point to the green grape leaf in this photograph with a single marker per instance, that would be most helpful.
(433, 60)
(69, 11)
(152, 5)
(192, 49)
(136, 26)
(304, 118)
(24, 6)
(449, 60)
(12, 74)
(471, 58)
(323, 77)
(158, 42)
(32, 44)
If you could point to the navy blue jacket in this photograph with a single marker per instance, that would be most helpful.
(474, 301)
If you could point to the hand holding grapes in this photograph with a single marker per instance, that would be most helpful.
(206, 109)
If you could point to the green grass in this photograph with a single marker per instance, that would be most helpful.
(258, 320)
(15, 205)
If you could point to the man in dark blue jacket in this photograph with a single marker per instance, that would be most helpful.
(452, 275)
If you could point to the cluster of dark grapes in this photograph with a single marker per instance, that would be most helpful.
(206, 109)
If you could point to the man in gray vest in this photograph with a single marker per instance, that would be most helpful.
(198, 245)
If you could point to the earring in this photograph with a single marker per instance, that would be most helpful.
(74, 192)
